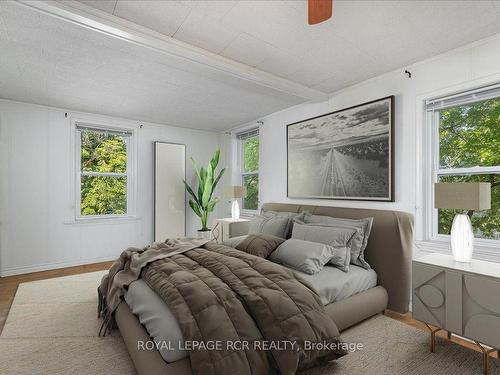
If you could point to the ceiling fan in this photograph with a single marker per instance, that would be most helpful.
(319, 11)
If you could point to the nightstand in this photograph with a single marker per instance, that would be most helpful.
(461, 298)
(228, 228)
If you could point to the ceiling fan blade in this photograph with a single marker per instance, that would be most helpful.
(319, 11)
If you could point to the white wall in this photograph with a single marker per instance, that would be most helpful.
(466, 67)
(37, 226)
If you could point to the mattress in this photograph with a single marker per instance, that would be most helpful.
(157, 318)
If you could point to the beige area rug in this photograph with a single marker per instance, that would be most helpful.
(52, 329)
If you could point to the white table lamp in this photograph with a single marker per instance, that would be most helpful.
(470, 196)
(235, 193)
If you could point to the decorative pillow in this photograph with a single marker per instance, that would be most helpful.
(363, 228)
(260, 245)
(290, 215)
(275, 226)
(309, 257)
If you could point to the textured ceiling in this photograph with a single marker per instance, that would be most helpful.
(362, 40)
(49, 61)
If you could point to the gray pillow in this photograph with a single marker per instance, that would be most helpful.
(336, 237)
(309, 257)
(363, 228)
(290, 215)
(275, 226)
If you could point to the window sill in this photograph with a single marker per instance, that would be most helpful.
(443, 246)
(103, 220)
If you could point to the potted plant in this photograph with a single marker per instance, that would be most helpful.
(204, 202)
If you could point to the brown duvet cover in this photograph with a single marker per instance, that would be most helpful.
(253, 316)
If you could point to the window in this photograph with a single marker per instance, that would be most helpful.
(103, 172)
(248, 145)
(466, 135)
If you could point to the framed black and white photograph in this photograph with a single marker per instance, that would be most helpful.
(346, 154)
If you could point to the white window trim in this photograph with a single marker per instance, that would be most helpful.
(428, 170)
(131, 171)
(241, 174)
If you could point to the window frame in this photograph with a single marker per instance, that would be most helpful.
(431, 222)
(130, 173)
(241, 168)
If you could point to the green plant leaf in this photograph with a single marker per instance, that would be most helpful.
(211, 205)
(201, 184)
(195, 207)
(208, 186)
(215, 160)
(221, 173)
(203, 173)
(190, 191)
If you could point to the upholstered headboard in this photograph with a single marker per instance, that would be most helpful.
(389, 249)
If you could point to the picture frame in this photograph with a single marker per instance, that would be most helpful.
(343, 155)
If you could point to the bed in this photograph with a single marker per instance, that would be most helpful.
(348, 297)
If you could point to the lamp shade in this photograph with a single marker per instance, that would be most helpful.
(463, 195)
(236, 192)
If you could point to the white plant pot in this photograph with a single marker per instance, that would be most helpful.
(205, 234)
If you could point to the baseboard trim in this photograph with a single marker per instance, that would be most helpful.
(52, 266)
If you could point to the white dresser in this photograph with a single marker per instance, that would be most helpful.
(461, 298)
(228, 227)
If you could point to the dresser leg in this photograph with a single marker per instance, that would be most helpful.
(432, 337)
(449, 335)
(486, 357)
(486, 364)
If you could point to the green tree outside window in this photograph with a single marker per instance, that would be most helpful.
(104, 154)
(469, 136)
(250, 153)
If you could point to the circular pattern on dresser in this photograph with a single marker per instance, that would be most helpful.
(431, 296)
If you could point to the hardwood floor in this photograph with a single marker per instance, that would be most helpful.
(8, 287)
